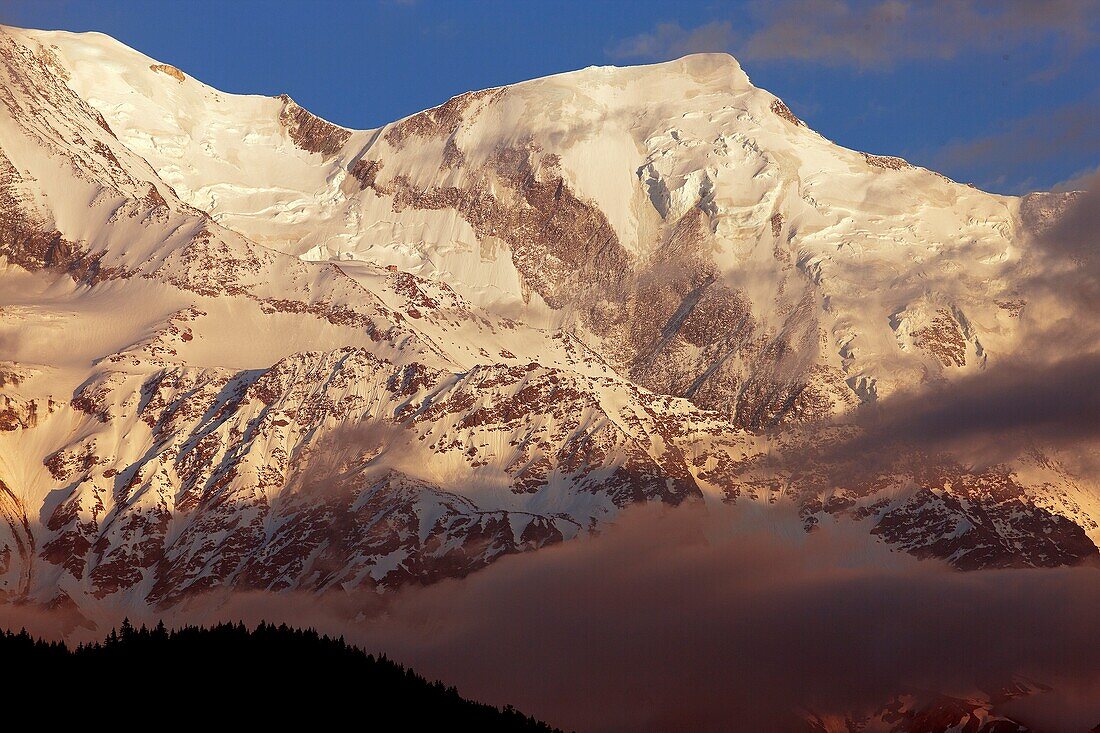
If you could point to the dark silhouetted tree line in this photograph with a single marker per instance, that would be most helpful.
(271, 674)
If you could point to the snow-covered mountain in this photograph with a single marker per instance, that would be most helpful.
(244, 348)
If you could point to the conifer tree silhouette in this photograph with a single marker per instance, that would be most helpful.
(267, 674)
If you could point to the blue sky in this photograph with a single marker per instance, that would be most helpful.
(1003, 93)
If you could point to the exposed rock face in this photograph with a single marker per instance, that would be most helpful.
(516, 325)
(888, 162)
(563, 247)
(442, 121)
(781, 109)
(17, 549)
(1038, 211)
(925, 712)
(223, 446)
(311, 133)
(168, 69)
(647, 314)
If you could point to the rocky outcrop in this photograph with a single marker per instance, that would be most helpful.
(230, 454)
(309, 132)
(168, 69)
(926, 712)
(17, 547)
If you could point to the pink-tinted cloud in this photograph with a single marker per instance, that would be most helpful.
(696, 619)
(730, 618)
(671, 40)
(874, 34)
(1011, 152)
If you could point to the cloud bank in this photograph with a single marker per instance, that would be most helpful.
(698, 620)
(1007, 156)
(873, 34)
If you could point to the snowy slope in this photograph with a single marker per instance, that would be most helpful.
(792, 221)
(246, 348)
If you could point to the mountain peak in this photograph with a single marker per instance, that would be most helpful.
(519, 312)
(709, 60)
(717, 70)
